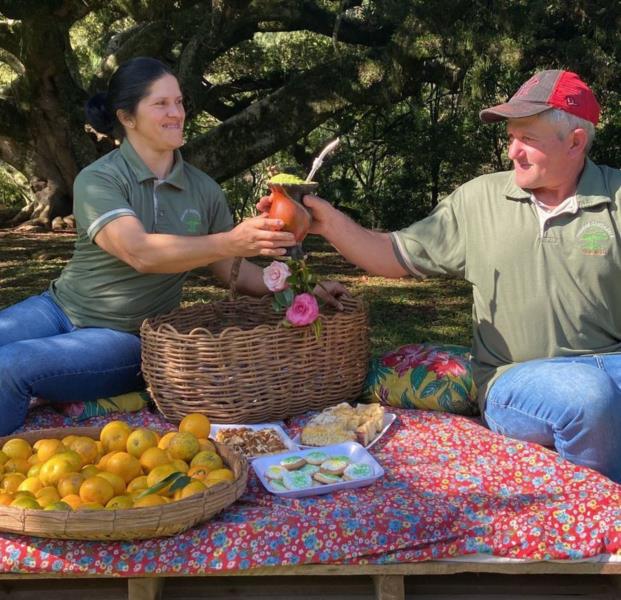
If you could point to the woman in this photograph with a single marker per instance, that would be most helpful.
(144, 219)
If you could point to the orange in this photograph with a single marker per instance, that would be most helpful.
(165, 440)
(198, 472)
(58, 505)
(219, 475)
(140, 440)
(25, 502)
(194, 487)
(183, 445)
(103, 461)
(47, 495)
(47, 447)
(114, 436)
(68, 440)
(11, 482)
(125, 465)
(196, 424)
(116, 481)
(96, 489)
(150, 500)
(153, 457)
(89, 471)
(86, 448)
(73, 500)
(70, 483)
(34, 471)
(72, 457)
(54, 468)
(180, 465)
(209, 459)
(205, 444)
(120, 502)
(30, 484)
(17, 465)
(6, 499)
(17, 448)
(3, 458)
(158, 474)
(137, 485)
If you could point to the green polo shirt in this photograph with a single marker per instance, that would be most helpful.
(97, 289)
(536, 294)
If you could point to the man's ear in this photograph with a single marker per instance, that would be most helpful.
(579, 140)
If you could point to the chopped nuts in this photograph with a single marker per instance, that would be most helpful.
(251, 442)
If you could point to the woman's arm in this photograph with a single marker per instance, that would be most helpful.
(126, 238)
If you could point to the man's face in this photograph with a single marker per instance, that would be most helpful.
(540, 158)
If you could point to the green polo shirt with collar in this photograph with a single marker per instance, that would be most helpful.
(536, 294)
(97, 289)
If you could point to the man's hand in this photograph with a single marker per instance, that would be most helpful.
(319, 209)
(330, 292)
(260, 236)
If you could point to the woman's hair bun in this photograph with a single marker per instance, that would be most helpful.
(98, 113)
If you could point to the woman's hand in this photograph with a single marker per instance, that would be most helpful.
(260, 236)
(330, 292)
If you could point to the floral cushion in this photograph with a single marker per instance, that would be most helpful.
(426, 376)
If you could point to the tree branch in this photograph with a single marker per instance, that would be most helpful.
(293, 111)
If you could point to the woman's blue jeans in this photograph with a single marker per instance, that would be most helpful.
(43, 355)
(570, 403)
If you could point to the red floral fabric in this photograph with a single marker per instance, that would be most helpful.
(451, 487)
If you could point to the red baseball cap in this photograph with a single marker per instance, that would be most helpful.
(546, 90)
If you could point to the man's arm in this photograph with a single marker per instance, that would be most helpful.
(126, 238)
(369, 250)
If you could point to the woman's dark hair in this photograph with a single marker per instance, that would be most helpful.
(126, 88)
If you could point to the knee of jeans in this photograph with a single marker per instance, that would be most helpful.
(13, 401)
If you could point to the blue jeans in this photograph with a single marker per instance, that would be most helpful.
(42, 354)
(570, 403)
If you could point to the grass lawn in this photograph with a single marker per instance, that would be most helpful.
(402, 310)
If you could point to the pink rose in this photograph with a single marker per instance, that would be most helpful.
(303, 310)
(275, 276)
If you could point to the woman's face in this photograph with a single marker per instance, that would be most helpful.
(159, 117)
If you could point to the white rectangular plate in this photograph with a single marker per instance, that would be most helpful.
(353, 450)
(287, 441)
(389, 419)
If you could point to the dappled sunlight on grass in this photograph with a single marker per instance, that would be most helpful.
(402, 310)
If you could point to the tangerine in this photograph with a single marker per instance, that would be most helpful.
(165, 440)
(207, 458)
(140, 440)
(116, 481)
(17, 448)
(153, 457)
(183, 445)
(150, 500)
(120, 502)
(125, 465)
(96, 489)
(47, 447)
(114, 436)
(197, 424)
(70, 483)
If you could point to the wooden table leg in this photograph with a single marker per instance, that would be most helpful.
(389, 587)
(145, 588)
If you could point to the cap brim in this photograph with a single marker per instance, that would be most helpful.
(512, 110)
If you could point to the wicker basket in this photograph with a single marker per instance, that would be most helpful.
(234, 361)
(128, 524)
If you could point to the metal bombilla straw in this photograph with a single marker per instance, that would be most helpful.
(319, 160)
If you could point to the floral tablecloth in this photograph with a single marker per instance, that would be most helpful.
(450, 488)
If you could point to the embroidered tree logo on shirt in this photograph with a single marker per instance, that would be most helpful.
(594, 240)
(191, 218)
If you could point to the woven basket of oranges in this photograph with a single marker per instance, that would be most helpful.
(116, 482)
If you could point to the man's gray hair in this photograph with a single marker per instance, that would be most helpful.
(565, 123)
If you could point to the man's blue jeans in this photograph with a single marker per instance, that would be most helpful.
(42, 354)
(570, 403)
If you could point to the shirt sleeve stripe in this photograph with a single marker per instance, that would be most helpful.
(403, 258)
(98, 223)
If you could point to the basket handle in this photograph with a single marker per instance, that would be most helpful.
(233, 277)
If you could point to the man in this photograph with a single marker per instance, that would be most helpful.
(541, 247)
